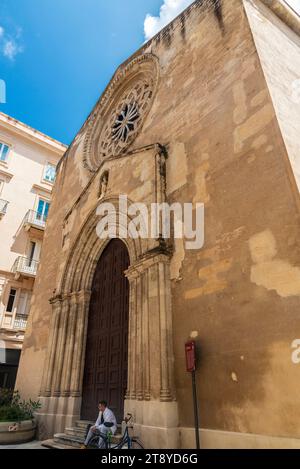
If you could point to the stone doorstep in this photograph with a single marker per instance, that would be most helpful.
(64, 439)
(73, 438)
(83, 424)
(75, 431)
(51, 444)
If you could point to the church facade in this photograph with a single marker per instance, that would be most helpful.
(195, 116)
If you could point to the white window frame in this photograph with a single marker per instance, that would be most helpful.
(23, 308)
(5, 144)
(45, 200)
(49, 163)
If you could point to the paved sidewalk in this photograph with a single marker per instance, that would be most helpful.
(32, 445)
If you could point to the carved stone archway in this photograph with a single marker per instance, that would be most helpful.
(151, 391)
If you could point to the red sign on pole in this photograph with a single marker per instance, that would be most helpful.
(190, 354)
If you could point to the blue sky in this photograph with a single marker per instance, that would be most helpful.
(57, 56)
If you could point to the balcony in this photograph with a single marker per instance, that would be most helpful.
(25, 267)
(20, 322)
(3, 207)
(34, 220)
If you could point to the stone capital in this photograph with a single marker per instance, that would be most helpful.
(56, 299)
(149, 260)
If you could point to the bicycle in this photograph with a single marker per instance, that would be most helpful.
(127, 442)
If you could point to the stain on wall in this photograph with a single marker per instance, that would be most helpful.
(214, 113)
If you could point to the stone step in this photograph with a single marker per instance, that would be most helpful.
(74, 441)
(68, 440)
(50, 444)
(76, 431)
(74, 436)
(83, 424)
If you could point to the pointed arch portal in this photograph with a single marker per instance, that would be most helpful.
(106, 358)
(110, 335)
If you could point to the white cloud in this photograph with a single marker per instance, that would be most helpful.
(168, 11)
(11, 49)
(10, 45)
(172, 8)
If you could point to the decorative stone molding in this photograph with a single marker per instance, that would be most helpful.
(150, 374)
(121, 112)
(160, 155)
(150, 345)
(150, 316)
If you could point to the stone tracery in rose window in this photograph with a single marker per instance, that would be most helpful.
(125, 121)
(121, 112)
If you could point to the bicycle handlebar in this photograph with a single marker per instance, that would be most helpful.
(128, 418)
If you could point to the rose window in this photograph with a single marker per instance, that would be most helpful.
(125, 122)
(121, 112)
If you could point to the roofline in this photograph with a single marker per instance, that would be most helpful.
(279, 7)
(216, 4)
(29, 132)
(285, 13)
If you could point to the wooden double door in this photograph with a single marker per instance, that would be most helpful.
(106, 362)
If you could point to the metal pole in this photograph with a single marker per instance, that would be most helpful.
(196, 410)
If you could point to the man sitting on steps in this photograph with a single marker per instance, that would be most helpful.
(105, 423)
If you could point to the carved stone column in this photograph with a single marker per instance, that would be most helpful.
(154, 330)
(166, 346)
(145, 336)
(64, 365)
(61, 344)
(150, 334)
(83, 302)
(131, 387)
(139, 340)
(156, 414)
(69, 347)
(46, 390)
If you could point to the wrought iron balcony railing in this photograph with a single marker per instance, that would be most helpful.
(3, 206)
(35, 219)
(20, 322)
(25, 266)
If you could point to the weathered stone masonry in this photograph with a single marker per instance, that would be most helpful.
(212, 114)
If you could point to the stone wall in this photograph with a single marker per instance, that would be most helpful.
(241, 293)
(279, 51)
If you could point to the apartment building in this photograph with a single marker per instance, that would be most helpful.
(28, 162)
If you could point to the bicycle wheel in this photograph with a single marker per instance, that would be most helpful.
(94, 443)
(136, 444)
(121, 445)
(95, 440)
